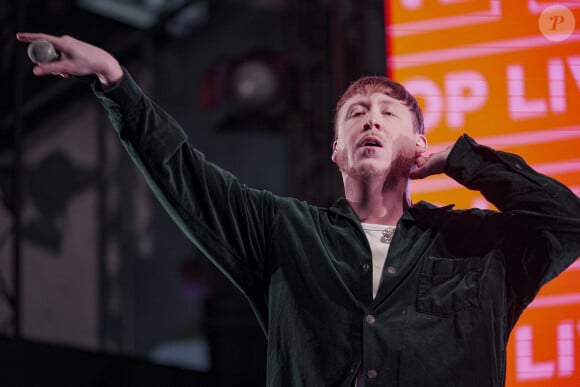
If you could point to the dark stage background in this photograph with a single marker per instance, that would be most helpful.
(97, 285)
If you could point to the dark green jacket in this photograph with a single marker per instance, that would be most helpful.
(455, 281)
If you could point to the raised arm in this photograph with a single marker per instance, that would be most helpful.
(541, 216)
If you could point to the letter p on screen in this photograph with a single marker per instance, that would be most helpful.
(556, 20)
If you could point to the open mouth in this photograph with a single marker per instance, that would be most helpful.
(370, 141)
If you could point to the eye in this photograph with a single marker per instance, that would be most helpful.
(389, 113)
(356, 113)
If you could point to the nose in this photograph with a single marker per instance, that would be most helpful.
(370, 124)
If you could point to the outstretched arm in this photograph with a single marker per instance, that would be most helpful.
(77, 58)
(227, 221)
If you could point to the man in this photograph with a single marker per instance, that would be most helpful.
(374, 290)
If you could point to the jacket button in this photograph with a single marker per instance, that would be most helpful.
(371, 374)
(365, 267)
(370, 319)
(391, 270)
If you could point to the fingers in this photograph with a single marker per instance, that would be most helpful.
(50, 68)
(421, 161)
(26, 36)
(430, 165)
(419, 173)
(30, 36)
(59, 42)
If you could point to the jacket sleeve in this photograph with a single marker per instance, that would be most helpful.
(540, 217)
(227, 221)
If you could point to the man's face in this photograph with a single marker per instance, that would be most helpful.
(375, 137)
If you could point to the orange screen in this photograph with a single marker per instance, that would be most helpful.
(507, 73)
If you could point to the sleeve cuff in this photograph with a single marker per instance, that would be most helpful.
(462, 162)
(126, 93)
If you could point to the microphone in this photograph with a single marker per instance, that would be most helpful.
(42, 51)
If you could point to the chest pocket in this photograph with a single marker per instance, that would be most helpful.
(448, 285)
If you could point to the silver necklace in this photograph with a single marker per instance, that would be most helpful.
(387, 234)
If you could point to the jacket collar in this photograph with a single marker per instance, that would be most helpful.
(421, 209)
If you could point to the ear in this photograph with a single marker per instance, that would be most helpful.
(334, 145)
(420, 144)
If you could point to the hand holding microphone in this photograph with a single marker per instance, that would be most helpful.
(66, 56)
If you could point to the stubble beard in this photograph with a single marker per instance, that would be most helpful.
(397, 170)
(356, 171)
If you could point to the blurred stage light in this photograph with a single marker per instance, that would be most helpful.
(254, 83)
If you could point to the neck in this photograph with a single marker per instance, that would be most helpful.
(377, 201)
